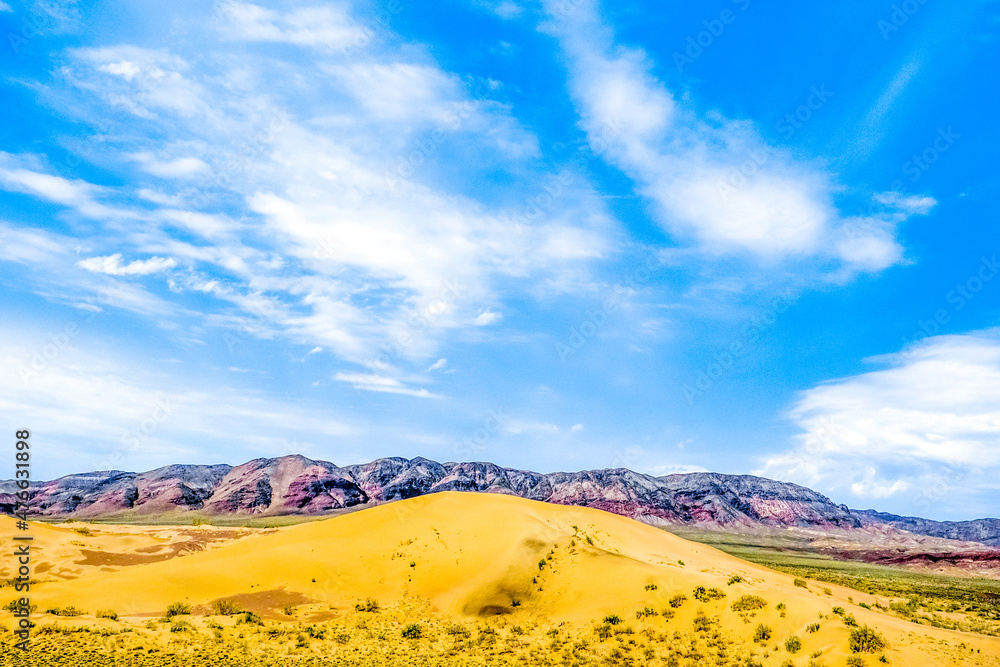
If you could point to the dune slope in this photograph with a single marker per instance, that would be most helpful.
(483, 555)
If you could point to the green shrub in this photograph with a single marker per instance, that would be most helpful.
(612, 619)
(226, 607)
(645, 612)
(412, 631)
(457, 630)
(867, 640)
(678, 600)
(651, 587)
(793, 644)
(15, 604)
(813, 627)
(839, 611)
(178, 609)
(369, 605)
(850, 621)
(707, 595)
(748, 603)
(801, 583)
(762, 633)
(179, 625)
(855, 661)
(249, 618)
(107, 613)
(702, 623)
(735, 579)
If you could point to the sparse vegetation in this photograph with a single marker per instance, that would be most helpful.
(707, 595)
(370, 605)
(677, 600)
(762, 633)
(735, 579)
(748, 603)
(178, 609)
(226, 607)
(107, 613)
(867, 640)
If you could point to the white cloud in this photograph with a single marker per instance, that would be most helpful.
(715, 182)
(910, 204)
(181, 167)
(326, 27)
(143, 81)
(508, 10)
(488, 317)
(138, 423)
(15, 175)
(437, 365)
(382, 384)
(930, 417)
(344, 240)
(4, 7)
(529, 427)
(113, 266)
(404, 91)
(673, 469)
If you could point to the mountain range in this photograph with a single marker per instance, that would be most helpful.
(296, 485)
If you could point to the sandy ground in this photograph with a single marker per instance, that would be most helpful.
(469, 556)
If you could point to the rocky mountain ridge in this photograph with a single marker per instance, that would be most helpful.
(297, 485)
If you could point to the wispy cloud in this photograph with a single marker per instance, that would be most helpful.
(691, 166)
(926, 421)
(324, 27)
(382, 384)
(113, 265)
(137, 423)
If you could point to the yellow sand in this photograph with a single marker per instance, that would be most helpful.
(476, 554)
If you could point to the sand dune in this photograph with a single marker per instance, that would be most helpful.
(483, 555)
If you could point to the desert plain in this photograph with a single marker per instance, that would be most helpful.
(444, 579)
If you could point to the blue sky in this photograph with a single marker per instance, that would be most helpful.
(734, 236)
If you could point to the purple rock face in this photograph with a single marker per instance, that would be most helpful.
(297, 485)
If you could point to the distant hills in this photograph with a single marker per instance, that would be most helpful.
(292, 485)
